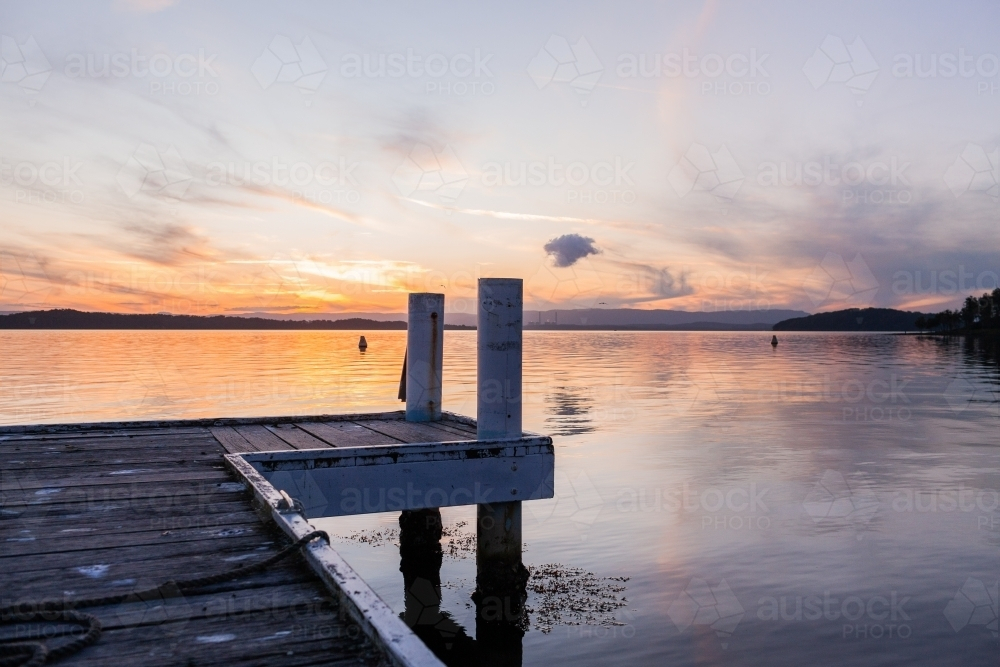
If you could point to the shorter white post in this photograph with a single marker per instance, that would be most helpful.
(424, 352)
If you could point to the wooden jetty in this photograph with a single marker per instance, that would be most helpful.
(100, 509)
(118, 508)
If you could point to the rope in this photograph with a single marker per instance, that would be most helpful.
(34, 654)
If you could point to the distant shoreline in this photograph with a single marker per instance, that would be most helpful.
(870, 320)
(67, 319)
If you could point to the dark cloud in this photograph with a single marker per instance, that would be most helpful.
(568, 249)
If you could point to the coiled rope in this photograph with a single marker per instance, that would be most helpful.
(34, 654)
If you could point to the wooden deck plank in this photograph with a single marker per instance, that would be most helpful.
(113, 447)
(411, 432)
(298, 438)
(453, 428)
(131, 558)
(73, 510)
(87, 467)
(197, 498)
(262, 439)
(347, 434)
(100, 433)
(37, 540)
(54, 582)
(267, 637)
(231, 440)
(66, 480)
(83, 461)
(113, 440)
(281, 594)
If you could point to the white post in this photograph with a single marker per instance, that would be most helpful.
(501, 309)
(424, 351)
(500, 575)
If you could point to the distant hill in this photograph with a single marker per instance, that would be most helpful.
(75, 319)
(584, 319)
(853, 319)
(693, 326)
(631, 318)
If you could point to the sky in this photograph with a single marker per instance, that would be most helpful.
(325, 158)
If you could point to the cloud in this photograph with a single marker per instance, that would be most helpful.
(167, 244)
(567, 249)
(652, 283)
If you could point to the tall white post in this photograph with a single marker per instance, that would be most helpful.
(500, 326)
(500, 575)
(424, 352)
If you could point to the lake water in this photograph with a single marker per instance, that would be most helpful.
(830, 501)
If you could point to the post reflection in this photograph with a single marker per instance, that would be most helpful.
(501, 618)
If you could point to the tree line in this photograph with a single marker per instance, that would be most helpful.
(982, 313)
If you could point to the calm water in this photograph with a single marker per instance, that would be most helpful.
(831, 501)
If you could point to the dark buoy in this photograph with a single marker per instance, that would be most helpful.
(362, 344)
(774, 341)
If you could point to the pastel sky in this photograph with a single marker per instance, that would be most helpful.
(232, 157)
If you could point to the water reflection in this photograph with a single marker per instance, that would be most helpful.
(855, 446)
(500, 615)
(569, 409)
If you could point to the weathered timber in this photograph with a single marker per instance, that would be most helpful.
(37, 541)
(232, 440)
(347, 434)
(454, 428)
(262, 439)
(412, 432)
(296, 437)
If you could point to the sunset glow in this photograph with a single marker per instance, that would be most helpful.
(299, 162)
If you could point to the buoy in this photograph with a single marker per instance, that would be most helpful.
(362, 344)
(774, 341)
